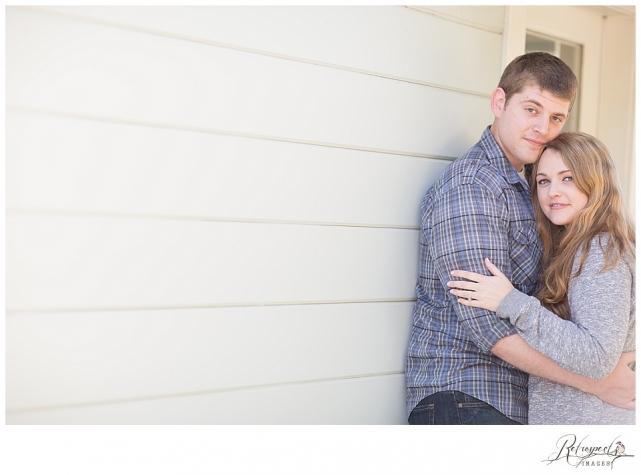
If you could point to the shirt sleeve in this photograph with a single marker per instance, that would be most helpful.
(469, 226)
(590, 344)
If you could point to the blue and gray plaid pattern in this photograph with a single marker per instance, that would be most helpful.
(479, 207)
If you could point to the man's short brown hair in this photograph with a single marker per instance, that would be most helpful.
(539, 69)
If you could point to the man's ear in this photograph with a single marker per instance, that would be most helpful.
(497, 102)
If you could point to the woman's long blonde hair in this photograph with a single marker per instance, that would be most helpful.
(594, 173)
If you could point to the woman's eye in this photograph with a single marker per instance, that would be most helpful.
(544, 181)
(567, 178)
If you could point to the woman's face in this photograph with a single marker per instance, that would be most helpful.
(558, 195)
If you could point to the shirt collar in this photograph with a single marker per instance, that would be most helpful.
(497, 157)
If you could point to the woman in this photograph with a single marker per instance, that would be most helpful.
(583, 316)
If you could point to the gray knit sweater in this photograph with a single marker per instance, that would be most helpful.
(603, 326)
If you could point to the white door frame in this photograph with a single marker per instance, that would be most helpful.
(586, 30)
(601, 113)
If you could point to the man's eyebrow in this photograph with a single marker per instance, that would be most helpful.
(533, 101)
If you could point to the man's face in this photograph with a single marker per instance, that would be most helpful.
(528, 121)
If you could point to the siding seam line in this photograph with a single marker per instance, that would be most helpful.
(198, 393)
(455, 19)
(212, 219)
(9, 311)
(218, 44)
(205, 130)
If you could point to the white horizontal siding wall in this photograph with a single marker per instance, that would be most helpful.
(212, 212)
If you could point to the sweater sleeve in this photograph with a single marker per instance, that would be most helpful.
(592, 342)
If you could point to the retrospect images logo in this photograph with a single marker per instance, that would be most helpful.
(581, 453)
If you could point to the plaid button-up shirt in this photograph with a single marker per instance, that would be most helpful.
(479, 207)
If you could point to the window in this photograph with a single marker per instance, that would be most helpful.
(571, 54)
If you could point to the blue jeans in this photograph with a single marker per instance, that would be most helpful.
(456, 408)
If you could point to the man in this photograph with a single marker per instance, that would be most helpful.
(462, 361)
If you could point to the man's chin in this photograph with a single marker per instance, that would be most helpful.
(529, 159)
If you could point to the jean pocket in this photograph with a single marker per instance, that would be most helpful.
(472, 405)
(422, 415)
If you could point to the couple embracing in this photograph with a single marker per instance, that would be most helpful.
(525, 307)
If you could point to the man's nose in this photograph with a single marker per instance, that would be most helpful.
(541, 125)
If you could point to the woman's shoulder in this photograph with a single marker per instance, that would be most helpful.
(596, 257)
(596, 246)
(602, 239)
